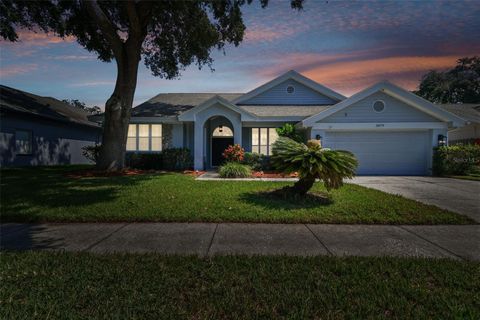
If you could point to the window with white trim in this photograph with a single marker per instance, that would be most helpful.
(263, 139)
(23, 142)
(144, 137)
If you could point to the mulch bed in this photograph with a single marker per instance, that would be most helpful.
(273, 174)
(125, 172)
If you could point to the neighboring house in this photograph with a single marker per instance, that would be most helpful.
(471, 114)
(390, 130)
(37, 130)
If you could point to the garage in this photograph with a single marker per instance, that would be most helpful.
(384, 152)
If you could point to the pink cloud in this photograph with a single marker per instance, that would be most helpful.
(14, 70)
(39, 38)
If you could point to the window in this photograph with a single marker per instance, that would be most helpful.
(263, 139)
(23, 141)
(144, 137)
(290, 89)
(379, 106)
(222, 131)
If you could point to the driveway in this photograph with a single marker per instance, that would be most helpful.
(462, 196)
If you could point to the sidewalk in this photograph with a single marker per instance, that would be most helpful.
(206, 239)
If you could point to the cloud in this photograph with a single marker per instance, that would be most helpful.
(38, 38)
(72, 57)
(14, 70)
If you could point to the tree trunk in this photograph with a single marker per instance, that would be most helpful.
(117, 111)
(303, 185)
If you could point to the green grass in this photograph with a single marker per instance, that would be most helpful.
(47, 195)
(468, 177)
(41, 285)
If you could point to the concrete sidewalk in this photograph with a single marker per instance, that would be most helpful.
(206, 239)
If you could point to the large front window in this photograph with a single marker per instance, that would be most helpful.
(144, 137)
(263, 139)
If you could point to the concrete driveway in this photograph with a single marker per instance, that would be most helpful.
(456, 195)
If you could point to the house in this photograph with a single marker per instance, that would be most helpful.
(37, 130)
(471, 131)
(390, 130)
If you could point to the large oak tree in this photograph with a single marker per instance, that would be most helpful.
(169, 35)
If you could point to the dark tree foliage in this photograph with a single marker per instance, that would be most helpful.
(458, 85)
(81, 105)
(169, 35)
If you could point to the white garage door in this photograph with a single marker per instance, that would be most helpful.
(384, 153)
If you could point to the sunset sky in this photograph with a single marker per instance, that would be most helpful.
(346, 46)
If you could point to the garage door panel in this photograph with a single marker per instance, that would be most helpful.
(384, 153)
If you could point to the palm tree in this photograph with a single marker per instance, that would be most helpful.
(311, 162)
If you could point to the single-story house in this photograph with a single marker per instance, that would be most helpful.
(389, 129)
(37, 130)
(471, 131)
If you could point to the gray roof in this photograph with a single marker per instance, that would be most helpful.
(45, 107)
(468, 111)
(170, 105)
(283, 110)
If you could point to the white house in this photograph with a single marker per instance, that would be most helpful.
(390, 130)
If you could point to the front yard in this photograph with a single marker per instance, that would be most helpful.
(81, 285)
(48, 195)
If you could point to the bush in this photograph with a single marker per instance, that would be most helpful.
(177, 159)
(144, 161)
(234, 153)
(91, 152)
(168, 159)
(257, 162)
(288, 131)
(235, 170)
(456, 160)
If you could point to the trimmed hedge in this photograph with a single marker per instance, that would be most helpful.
(169, 159)
(235, 170)
(456, 160)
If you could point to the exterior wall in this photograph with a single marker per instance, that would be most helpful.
(395, 111)
(279, 95)
(471, 131)
(53, 143)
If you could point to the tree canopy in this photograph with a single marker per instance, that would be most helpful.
(81, 105)
(460, 84)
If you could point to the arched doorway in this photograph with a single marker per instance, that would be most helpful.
(220, 135)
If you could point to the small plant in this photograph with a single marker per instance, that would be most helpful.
(91, 152)
(288, 131)
(257, 161)
(456, 160)
(235, 170)
(234, 153)
(311, 161)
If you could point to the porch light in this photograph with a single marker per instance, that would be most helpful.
(318, 137)
(442, 140)
(220, 128)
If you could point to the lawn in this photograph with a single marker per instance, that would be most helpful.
(82, 285)
(48, 195)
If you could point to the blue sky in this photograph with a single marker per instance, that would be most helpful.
(346, 46)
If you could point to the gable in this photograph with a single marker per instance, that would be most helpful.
(302, 95)
(395, 111)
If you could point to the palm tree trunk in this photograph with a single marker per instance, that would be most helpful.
(303, 185)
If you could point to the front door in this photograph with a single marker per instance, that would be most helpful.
(219, 144)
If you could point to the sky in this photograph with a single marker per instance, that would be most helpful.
(346, 46)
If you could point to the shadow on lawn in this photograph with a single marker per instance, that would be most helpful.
(273, 199)
(25, 191)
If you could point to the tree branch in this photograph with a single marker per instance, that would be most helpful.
(135, 26)
(105, 26)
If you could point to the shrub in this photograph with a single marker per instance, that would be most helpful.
(144, 161)
(288, 131)
(456, 160)
(91, 152)
(235, 170)
(234, 153)
(177, 159)
(168, 159)
(311, 161)
(257, 162)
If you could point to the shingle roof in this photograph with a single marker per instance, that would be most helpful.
(170, 105)
(46, 107)
(468, 111)
(284, 110)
